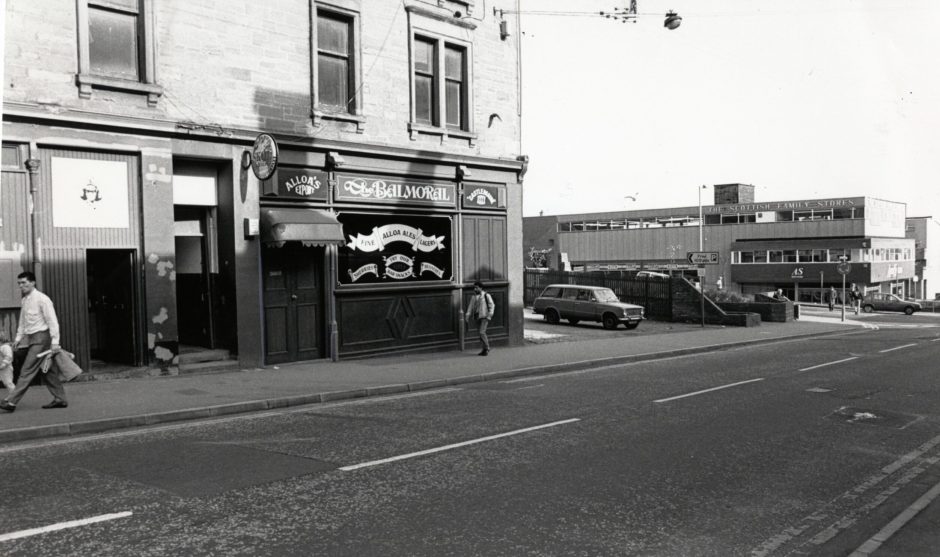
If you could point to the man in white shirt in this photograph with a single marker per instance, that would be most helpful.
(39, 331)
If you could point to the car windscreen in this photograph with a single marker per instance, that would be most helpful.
(606, 295)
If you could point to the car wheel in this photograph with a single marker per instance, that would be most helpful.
(631, 326)
(909, 310)
(573, 321)
(551, 316)
(610, 321)
(868, 308)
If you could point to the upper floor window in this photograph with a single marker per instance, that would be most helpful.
(116, 47)
(441, 84)
(336, 78)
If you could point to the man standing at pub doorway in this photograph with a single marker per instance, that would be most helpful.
(482, 309)
(39, 330)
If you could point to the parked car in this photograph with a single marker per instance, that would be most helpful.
(651, 274)
(877, 301)
(578, 303)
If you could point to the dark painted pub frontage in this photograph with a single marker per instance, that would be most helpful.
(363, 256)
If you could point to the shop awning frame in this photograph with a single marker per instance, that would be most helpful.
(312, 226)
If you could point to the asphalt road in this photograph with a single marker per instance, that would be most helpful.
(809, 447)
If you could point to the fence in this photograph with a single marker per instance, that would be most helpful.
(655, 295)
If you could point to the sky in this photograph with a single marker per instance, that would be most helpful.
(803, 99)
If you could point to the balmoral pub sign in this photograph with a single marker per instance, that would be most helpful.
(394, 190)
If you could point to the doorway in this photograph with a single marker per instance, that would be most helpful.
(111, 309)
(293, 302)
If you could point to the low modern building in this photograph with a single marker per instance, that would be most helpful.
(926, 234)
(795, 245)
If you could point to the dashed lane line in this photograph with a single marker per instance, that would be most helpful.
(63, 526)
(897, 348)
(455, 445)
(728, 386)
(830, 363)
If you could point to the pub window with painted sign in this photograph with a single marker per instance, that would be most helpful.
(393, 249)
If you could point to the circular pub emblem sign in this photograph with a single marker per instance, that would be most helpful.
(264, 156)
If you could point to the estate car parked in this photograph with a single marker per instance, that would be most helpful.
(586, 303)
(878, 301)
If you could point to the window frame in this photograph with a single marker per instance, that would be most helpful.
(433, 28)
(146, 84)
(350, 11)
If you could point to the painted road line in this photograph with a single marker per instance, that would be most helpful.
(709, 390)
(63, 526)
(896, 348)
(899, 521)
(830, 363)
(935, 340)
(455, 445)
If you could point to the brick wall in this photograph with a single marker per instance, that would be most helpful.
(245, 65)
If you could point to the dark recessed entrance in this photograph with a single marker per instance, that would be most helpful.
(111, 310)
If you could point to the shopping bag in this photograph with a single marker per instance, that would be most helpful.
(65, 363)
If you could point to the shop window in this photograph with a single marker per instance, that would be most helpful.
(789, 256)
(819, 256)
(336, 81)
(843, 213)
(776, 256)
(805, 255)
(760, 256)
(785, 216)
(712, 219)
(116, 47)
(746, 257)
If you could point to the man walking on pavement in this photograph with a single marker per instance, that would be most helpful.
(39, 330)
(482, 309)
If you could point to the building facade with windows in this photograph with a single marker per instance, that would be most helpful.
(926, 234)
(794, 245)
(128, 187)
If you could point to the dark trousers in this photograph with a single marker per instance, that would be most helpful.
(37, 342)
(482, 324)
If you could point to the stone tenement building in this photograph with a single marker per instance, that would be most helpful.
(128, 184)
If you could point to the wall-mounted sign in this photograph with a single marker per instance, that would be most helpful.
(89, 193)
(394, 190)
(394, 248)
(797, 273)
(479, 196)
(836, 203)
(264, 156)
(299, 183)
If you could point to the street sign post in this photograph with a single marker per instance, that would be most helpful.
(703, 257)
(843, 267)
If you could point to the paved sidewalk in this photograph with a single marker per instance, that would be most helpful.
(97, 406)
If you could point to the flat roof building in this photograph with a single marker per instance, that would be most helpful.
(795, 245)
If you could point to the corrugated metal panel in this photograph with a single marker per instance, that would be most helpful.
(14, 193)
(65, 281)
(53, 237)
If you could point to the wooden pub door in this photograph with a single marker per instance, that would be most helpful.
(293, 302)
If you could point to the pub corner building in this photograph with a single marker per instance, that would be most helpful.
(291, 230)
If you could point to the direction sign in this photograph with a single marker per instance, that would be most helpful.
(703, 257)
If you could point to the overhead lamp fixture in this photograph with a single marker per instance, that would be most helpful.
(673, 20)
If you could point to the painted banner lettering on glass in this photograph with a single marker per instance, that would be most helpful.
(394, 248)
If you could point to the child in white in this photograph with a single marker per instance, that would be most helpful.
(6, 362)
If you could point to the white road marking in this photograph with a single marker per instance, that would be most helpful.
(455, 445)
(709, 390)
(935, 340)
(899, 521)
(63, 526)
(830, 363)
(143, 430)
(896, 348)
